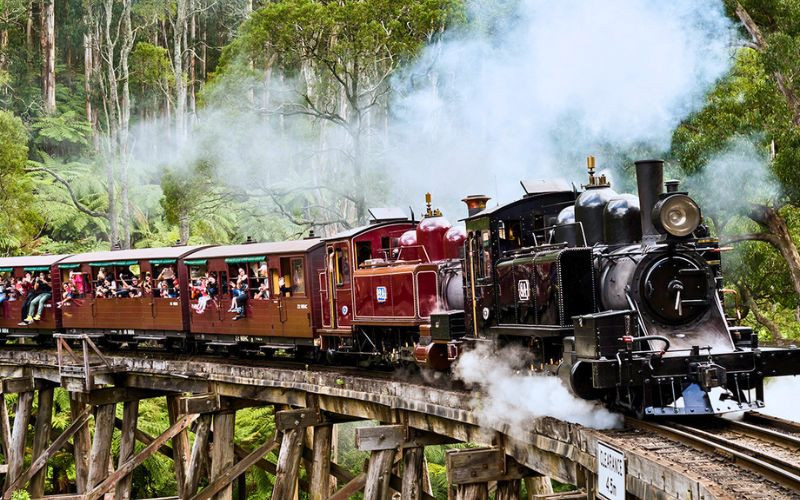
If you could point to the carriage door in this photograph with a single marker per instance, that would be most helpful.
(341, 281)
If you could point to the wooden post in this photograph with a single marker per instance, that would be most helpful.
(180, 446)
(413, 483)
(40, 462)
(321, 463)
(17, 456)
(288, 463)
(538, 485)
(44, 416)
(82, 445)
(101, 444)
(5, 427)
(126, 468)
(474, 491)
(508, 490)
(127, 445)
(426, 477)
(222, 450)
(199, 449)
(379, 472)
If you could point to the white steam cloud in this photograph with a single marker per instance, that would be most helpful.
(525, 90)
(734, 178)
(531, 87)
(780, 396)
(512, 396)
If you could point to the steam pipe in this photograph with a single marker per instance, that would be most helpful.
(649, 183)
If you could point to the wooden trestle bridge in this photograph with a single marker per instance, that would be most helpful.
(203, 394)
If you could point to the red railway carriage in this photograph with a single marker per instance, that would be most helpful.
(279, 310)
(141, 316)
(388, 298)
(11, 314)
(347, 251)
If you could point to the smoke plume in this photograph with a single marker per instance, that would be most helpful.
(511, 395)
(529, 88)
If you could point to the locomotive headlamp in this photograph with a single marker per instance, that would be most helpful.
(677, 215)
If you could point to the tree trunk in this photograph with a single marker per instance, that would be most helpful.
(29, 31)
(780, 237)
(749, 301)
(184, 228)
(192, 56)
(178, 28)
(48, 42)
(124, 119)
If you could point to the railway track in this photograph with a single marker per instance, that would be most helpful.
(765, 445)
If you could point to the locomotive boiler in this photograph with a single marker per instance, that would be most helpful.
(619, 295)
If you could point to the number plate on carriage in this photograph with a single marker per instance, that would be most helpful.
(610, 472)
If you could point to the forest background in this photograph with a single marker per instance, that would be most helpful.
(134, 123)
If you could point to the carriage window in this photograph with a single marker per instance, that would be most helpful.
(386, 246)
(223, 281)
(342, 267)
(363, 252)
(298, 277)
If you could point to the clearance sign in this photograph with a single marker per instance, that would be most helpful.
(610, 472)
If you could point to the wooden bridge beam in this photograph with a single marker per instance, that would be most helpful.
(470, 471)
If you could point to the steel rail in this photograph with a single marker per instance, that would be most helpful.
(757, 418)
(763, 433)
(763, 464)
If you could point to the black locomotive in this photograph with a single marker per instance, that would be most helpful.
(620, 295)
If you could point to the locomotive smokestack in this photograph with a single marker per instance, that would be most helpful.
(475, 203)
(649, 182)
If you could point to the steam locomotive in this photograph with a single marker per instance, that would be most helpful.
(619, 295)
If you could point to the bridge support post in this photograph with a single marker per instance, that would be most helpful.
(19, 431)
(320, 484)
(101, 444)
(379, 472)
(538, 485)
(198, 457)
(508, 490)
(180, 446)
(413, 479)
(294, 423)
(44, 416)
(222, 450)
(127, 445)
(82, 444)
